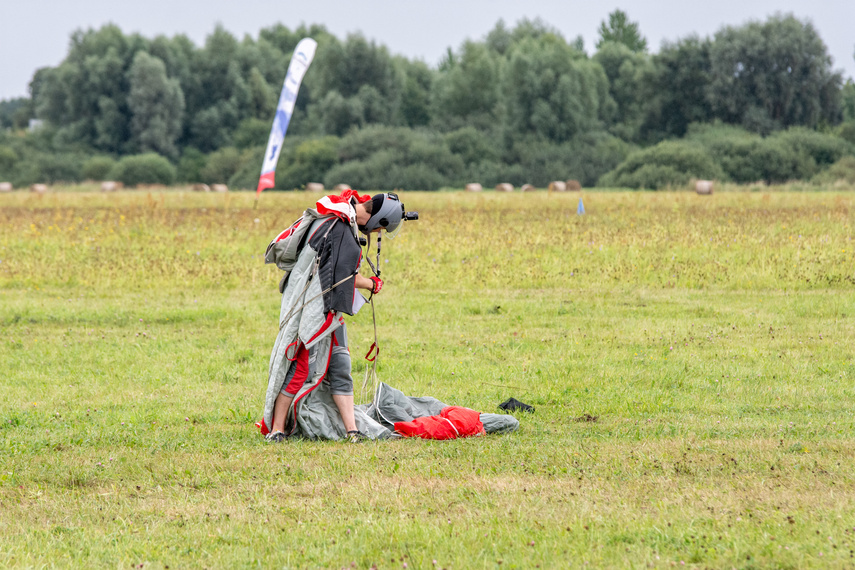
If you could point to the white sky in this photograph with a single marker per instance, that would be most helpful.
(35, 33)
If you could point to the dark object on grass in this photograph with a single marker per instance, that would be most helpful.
(512, 405)
(586, 418)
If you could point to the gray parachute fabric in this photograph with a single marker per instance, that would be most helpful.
(317, 416)
(391, 405)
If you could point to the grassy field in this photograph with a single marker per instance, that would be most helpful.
(691, 360)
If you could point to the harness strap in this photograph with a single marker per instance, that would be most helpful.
(315, 268)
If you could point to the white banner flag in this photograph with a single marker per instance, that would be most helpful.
(300, 61)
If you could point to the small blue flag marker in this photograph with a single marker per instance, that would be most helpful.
(581, 209)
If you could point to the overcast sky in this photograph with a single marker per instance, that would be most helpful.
(35, 33)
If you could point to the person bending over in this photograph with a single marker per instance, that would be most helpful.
(333, 241)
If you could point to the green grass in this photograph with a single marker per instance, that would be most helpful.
(691, 361)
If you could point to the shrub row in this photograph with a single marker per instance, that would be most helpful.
(384, 158)
(731, 154)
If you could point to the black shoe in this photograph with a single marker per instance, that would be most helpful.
(276, 437)
(356, 436)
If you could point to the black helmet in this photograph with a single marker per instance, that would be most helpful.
(387, 212)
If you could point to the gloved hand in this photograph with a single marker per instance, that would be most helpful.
(378, 284)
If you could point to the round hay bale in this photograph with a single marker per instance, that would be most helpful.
(5, 186)
(473, 187)
(201, 188)
(314, 187)
(557, 186)
(504, 187)
(111, 186)
(704, 187)
(38, 188)
(573, 185)
(219, 188)
(527, 188)
(341, 188)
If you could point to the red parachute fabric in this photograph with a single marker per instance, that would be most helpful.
(451, 423)
(339, 205)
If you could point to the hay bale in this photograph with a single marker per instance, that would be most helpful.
(704, 187)
(38, 188)
(201, 188)
(341, 188)
(219, 188)
(473, 187)
(111, 186)
(557, 186)
(314, 187)
(504, 187)
(573, 185)
(5, 186)
(527, 188)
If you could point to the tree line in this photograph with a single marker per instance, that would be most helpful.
(756, 102)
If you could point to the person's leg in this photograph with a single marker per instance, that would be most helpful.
(294, 379)
(280, 411)
(341, 382)
(344, 403)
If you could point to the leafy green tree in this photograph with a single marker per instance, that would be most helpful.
(626, 71)
(86, 95)
(9, 108)
(357, 83)
(252, 132)
(415, 97)
(621, 30)
(773, 75)
(553, 91)
(675, 88)
(337, 114)
(847, 97)
(467, 92)
(156, 104)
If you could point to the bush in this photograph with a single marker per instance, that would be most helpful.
(190, 165)
(48, 168)
(148, 168)
(841, 171)
(816, 150)
(796, 154)
(221, 166)
(98, 167)
(585, 158)
(669, 163)
(472, 145)
(385, 158)
(246, 178)
(846, 131)
(309, 161)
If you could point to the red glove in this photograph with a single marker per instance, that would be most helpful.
(378, 284)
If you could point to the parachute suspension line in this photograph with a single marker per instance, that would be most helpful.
(371, 369)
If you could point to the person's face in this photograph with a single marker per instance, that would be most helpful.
(362, 216)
